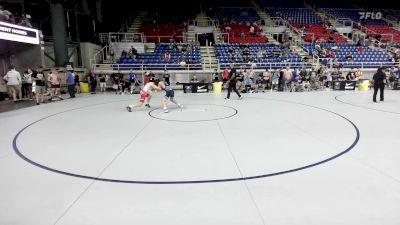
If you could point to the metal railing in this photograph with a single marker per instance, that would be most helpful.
(210, 22)
(104, 38)
(148, 67)
(125, 37)
(164, 39)
(127, 24)
(369, 32)
(262, 66)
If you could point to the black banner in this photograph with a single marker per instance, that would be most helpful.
(195, 87)
(17, 31)
(344, 85)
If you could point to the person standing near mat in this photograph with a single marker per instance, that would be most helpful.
(146, 93)
(232, 82)
(379, 83)
(169, 95)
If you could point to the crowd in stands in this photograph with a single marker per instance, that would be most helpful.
(173, 55)
(296, 80)
(14, 17)
(350, 55)
(257, 55)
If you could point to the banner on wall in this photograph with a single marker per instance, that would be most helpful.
(370, 15)
(12, 32)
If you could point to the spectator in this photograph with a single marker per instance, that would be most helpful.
(329, 55)
(260, 55)
(378, 37)
(341, 76)
(40, 85)
(358, 73)
(124, 54)
(167, 78)
(112, 54)
(167, 56)
(102, 80)
(266, 79)
(116, 83)
(349, 57)
(77, 83)
(351, 75)
(54, 82)
(14, 81)
(194, 79)
(241, 33)
(331, 39)
(275, 79)
(225, 75)
(24, 21)
(248, 82)
(327, 78)
(360, 48)
(134, 52)
(92, 82)
(27, 84)
(251, 31)
(70, 82)
(4, 14)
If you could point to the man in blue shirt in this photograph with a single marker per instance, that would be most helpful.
(70, 82)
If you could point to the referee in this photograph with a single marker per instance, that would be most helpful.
(232, 82)
(379, 83)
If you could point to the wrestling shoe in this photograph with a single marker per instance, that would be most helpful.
(129, 108)
(147, 106)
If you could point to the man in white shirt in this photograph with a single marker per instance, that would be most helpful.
(14, 81)
(4, 13)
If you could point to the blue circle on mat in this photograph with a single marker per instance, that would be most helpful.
(20, 154)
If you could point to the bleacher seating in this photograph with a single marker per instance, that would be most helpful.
(384, 29)
(247, 39)
(155, 61)
(320, 31)
(240, 15)
(239, 20)
(164, 31)
(157, 25)
(291, 60)
(281, 4)
(370, 58)
(352, 14)
(295, 15)
(393, 13)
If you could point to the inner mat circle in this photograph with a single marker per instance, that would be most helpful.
(194, 113)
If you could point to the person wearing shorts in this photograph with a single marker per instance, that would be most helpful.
(145, 93)
(54, 85)
(77, 84)
(40, 85)
(169, 95)
(102, 80)
(14, 81)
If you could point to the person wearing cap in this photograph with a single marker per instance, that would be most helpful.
(70, 82)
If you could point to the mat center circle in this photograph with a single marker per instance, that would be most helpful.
(194, 113)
